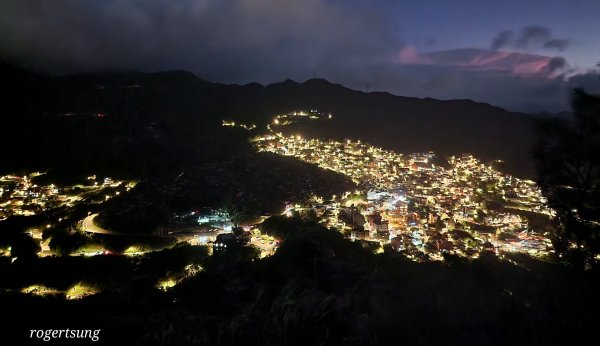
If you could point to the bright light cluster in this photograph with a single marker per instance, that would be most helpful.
(467, 195)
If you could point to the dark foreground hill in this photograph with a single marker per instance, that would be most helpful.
(318, 289)
(142, 123)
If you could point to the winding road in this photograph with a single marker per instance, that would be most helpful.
(88, 225)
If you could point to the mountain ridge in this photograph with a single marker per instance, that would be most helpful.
(173, 111)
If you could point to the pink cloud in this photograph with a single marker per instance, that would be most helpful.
(520, 64)
(410, 55)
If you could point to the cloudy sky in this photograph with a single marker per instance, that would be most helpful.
(523, 55)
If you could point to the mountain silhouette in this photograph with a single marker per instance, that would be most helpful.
(174, 118)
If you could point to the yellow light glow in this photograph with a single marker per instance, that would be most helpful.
(166, 284)
(80, 290)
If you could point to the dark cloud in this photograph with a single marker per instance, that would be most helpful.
(590, 81)
(558, 44)
(241, 40)
(503, 39)
(556, 64)
(530, 37)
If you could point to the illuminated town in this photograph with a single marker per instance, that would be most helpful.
(419, 207)
(55, 205)
(19, 195)
(411, 203)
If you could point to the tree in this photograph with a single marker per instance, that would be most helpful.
(24, 246)
(568, 167)
(64, 243)
(310, 215)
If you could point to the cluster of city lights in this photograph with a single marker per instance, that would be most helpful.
(457, 195)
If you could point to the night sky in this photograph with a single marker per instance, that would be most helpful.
(413, 48)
